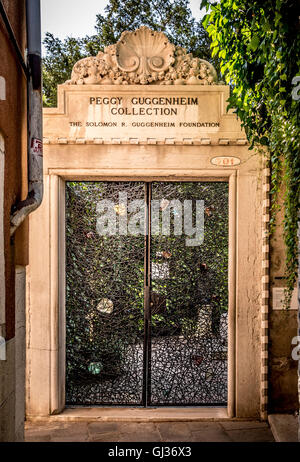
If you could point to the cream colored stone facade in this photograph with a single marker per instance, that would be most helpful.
(93, 135)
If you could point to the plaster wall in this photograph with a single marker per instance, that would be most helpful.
(2, 261)
(20, 352)
(13, 187)
(283, 395)
(7, 394)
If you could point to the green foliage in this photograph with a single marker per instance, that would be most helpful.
(198, 275)
(258, 44)
(111, 267)
(173, 17)
(59, 61)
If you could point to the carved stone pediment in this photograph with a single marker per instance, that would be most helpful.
(143, 57)
(144, 53)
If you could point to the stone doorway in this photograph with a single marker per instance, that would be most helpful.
(146, 293)
(163, 130)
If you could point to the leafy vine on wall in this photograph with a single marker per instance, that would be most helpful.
(258, 44)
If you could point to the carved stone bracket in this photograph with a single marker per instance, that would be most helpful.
(143, 57)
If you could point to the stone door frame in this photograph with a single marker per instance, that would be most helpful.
(69, 155)
(58, 177)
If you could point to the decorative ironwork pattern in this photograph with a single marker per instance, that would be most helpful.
(115, 282)
(189, 315)
(104, 300)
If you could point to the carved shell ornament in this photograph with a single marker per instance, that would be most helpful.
(143, 57)
(144, 54)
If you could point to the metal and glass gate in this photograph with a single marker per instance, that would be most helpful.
(146, 293)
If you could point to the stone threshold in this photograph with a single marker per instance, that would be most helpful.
(284, 427)
(125, 414)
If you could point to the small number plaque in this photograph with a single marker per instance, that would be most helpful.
(226, 161)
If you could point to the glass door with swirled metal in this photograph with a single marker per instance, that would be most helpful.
(146, 293)
(104, 295)
(189, 294)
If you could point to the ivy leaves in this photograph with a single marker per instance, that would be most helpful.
(258, 45)
(254, 43)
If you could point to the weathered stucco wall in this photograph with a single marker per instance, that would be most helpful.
(13, 129)
(283, 396)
